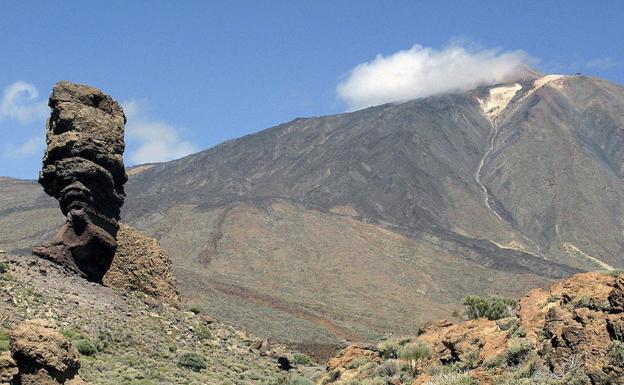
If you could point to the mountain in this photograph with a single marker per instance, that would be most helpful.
(353, 225)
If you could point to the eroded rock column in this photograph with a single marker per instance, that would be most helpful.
(83, 168)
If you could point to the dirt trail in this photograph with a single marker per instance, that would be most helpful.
(268, 301)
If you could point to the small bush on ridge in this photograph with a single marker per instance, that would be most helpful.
(85, 347)
(192, 361)
(492, 308)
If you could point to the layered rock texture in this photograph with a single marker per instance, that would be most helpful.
(570, 334)
(83, 169)
(140, 264)
(39, 356)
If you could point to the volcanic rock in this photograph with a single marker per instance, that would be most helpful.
(572, 333)
(140, 264)
(8, 368)
(43, 356)
(83, 168)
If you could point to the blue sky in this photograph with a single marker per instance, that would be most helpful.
(193, 74)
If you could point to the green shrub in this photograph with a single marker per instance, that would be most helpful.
(203, 333)
(453, 379)
(301, 359)
(195, 309)
(389, 348)
(615, 353)
(494, 362)
(332, 376)
(298, 380)
(517, 353)
(614, 273)
(357, 362)
(192, 361)
(514, 327)
(72, 334)
(414, 352)
(388, 369)
(472, 360)
(103, 340)
(4, 341)
(4, 267)
(492, 308)
(367, 381)
(85, 347)
(554, 298)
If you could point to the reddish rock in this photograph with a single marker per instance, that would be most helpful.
(140, 264)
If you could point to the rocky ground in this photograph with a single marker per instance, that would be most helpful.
(131, 338)
(572, 334)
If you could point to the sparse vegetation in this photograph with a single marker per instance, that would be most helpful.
(492, 308)
(453, 379)
(332, 376)
(4, 341)
(517, 352)
(388, 369)
(301, 359)
(193, 361)
(615, 352)
(203, 333)
(414, 352)
(390, 347)
(514, 327)
(195, 309)
(357, 362)
(554, 298)
(298, 380)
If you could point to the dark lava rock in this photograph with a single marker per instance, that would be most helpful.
(83, 168)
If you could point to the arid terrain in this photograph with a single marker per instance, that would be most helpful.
(356, 225)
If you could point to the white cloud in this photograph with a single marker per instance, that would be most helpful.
(152, 141)
(425, 71)
(20, 101)
(604, 63)
(30, 147)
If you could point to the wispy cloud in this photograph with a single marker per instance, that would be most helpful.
(27, 149)
(20, 101)
(150, 140)
(604, 63)
(425, 71)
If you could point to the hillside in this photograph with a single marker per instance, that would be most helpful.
(305, 231)
(571, 334)
(136, 340)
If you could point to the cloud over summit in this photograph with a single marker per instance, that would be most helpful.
(424, 71)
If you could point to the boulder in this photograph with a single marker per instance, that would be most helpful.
(83, 169)
(42, 355)
(8, 368)
(140, 264)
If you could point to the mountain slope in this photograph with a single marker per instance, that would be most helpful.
(351, 225)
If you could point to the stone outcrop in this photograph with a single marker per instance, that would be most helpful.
(39, 356)
(83, 168)
(140, 264)
(570, 334)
